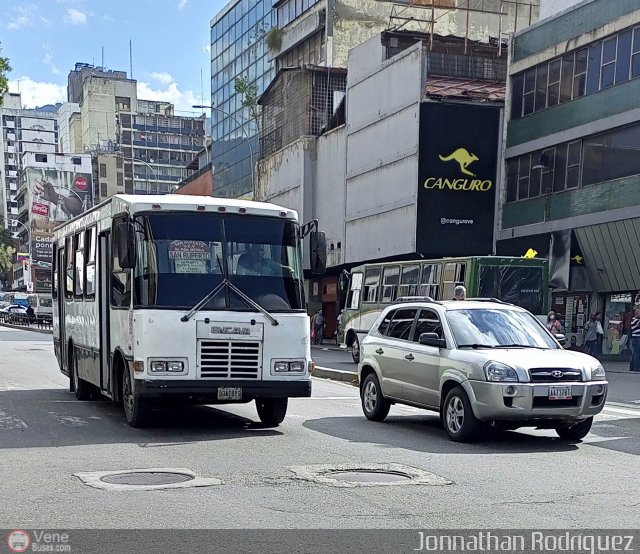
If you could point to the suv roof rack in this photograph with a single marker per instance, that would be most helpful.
(498, 301)
(415, 299)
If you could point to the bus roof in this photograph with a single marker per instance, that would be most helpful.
(134, 203)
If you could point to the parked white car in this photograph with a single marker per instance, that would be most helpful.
(478, 363)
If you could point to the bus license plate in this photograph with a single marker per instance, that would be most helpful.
(559, 393)
(230, 393)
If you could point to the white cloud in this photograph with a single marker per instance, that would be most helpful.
(182, 4)
(183, 100)
(75, 17)
(38, 93)
(163, 78)
(206, 49)
(48, 60)
(21, 16)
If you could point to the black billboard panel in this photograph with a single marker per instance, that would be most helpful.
(522, 286)
(457, 171)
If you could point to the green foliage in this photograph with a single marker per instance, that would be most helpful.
(4, 69)
(249, 92)
(6, 257)
(273, 38)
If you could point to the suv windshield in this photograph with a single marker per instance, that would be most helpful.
(495, 328)
(182, 257)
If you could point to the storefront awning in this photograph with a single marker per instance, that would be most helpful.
(612, 254)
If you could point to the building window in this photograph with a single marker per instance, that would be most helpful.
(42, 158)
(523, 177)
(574, 156)
(76, 160)
(103, 190)
(601, 65)
(611, 155)
(103, 171)
(120, 179)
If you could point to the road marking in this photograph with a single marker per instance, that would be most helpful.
(331, 398)
(8, 422)
(337, 370)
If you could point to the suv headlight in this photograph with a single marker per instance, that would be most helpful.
(597, 373)
(497, 371)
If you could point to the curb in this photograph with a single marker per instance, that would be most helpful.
(22, 328)
(331, 347)
(336, 375)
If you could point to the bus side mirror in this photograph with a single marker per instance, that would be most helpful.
(126, 245)
(318, 244)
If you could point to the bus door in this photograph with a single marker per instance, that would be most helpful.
(61, 268)
(103, 288)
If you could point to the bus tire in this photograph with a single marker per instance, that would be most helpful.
(355, 349)
(82, 389)
(271, 411)
(136, 410)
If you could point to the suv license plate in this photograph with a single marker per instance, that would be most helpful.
(560, 393)
(230, 393)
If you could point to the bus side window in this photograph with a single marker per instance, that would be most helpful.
(79, 265)
(430, 281)
(390, 283)
(371, 285)
(454, 274)
(54, 272)
(353, 299)
(90, 263)
(409, 280)
(69, 259)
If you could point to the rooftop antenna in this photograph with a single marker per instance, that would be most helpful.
(130, 59)
(102, 65)
(201, 88)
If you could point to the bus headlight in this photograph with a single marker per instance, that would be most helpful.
(289, 366)
(166, 366)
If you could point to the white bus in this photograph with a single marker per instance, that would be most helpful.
(186, 298)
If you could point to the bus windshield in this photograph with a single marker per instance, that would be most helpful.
(183, 256)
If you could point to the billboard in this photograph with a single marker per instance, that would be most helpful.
(55, 196)
(457, 169)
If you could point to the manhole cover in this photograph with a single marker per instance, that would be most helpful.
(152, 478)
(146, 478)
(369, 476)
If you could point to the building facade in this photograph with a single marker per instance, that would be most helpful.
(572, 170)
(22, 131)
(238, 51)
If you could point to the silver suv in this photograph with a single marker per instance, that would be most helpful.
(478, 363)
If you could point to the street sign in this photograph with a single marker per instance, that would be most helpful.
(29, 287)
(22, 257)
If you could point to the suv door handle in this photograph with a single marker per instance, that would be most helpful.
(409, 357)
(379, 351)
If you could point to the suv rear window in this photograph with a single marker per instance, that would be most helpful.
(401, 324)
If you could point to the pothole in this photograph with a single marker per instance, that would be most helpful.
(145, 479)
(368, 475)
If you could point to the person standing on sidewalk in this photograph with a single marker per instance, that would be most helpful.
(635, 342)
(591, 335)
(318, 327)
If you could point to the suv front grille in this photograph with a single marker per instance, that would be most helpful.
(554, 375)
(223, 359)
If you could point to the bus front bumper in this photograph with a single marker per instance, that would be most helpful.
(220, 392)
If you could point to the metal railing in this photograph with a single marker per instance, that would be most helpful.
(461, 66)
(44, 321)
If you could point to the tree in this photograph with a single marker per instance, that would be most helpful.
(249, 92)
(6, 257)
(4, 69)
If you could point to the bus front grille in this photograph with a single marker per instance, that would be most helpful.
(223, 359)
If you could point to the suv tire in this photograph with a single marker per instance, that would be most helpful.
(458, 418)
(374, 405)
(575, 432)
(355, 350)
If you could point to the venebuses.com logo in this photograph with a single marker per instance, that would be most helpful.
(18, 541)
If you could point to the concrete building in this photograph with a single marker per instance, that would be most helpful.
(53, 188)
(572, 168)
(550, 8)
(22, 130)
(381, 162)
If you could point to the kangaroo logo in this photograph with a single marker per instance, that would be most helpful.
(464, 158)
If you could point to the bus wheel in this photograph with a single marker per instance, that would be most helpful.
(80, 386)
(271, 411)
(355, 350)
(135, 409)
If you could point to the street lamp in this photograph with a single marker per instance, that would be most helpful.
(244, 132)
(14, 221)
(155, 174)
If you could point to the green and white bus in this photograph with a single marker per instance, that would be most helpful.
(372, 287)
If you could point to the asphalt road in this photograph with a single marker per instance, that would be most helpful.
(522, 479)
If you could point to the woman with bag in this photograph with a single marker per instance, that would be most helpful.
(553, 325)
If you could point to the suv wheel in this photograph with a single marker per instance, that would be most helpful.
(575, 432)
(374, 405)
(459, 421)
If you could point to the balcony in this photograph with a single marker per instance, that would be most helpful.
(462, 66)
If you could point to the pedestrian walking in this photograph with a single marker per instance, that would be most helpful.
(319, 323)
(635, 342)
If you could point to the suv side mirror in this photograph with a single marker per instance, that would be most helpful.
(432, 339)
(561, 339)
(125, 240)
(318, 259)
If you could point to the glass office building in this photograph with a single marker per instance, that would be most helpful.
(238, 49)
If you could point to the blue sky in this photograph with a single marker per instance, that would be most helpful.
(45, 38)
